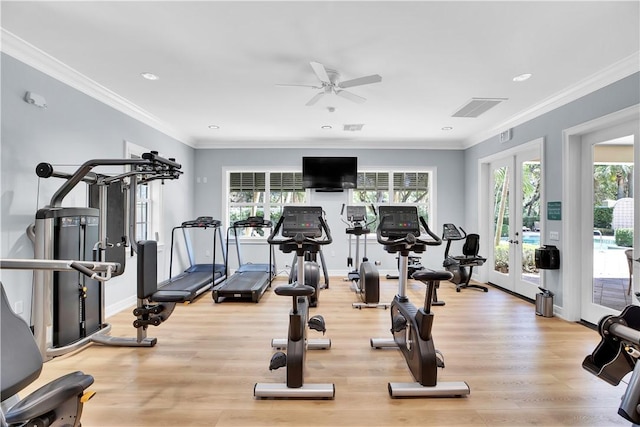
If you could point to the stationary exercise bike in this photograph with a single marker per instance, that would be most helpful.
(303, 230)
(461, 266)
(399, 232)
(365, 279)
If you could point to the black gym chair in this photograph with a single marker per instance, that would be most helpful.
(58, 403)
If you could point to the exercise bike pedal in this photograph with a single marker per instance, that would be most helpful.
(278, 360)
(439, 359)
(317, 323)
(398, 323)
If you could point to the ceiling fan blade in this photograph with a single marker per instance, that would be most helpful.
(350, 96)
(321, 72)
(374, 78)
(287, 84)
(315, 99)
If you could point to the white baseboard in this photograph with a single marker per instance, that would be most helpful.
(117, 307)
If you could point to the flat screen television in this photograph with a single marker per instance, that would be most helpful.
(330, 173)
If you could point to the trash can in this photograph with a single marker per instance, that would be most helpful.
(544, 303)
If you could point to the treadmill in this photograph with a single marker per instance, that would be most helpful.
(198, 278)
(250, 281)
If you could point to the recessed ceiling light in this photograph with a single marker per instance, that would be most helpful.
(522, 77)
(214, 127)
(149, 76)
(447, 128)
(326, 127)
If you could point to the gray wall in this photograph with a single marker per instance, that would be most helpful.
(450, 202)
(614, 97)
(76, 128)
(73, 129)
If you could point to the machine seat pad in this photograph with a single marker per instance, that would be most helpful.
(295, 290)
(49, 397)
(171, 296)
(429, 275)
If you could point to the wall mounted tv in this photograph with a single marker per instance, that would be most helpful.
(329, 173)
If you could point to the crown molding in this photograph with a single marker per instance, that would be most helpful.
(41, 61)
(609, 75)
(348, 144)
(25, 52)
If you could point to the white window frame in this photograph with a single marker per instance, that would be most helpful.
(226, 188)
(155, 221)
(431, 170)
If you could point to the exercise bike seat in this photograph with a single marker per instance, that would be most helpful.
(426, 275)
(295, 290)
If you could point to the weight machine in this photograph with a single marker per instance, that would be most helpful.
(74, 302)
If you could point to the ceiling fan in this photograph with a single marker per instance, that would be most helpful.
(330, 83)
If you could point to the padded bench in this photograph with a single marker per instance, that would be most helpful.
(154, 305)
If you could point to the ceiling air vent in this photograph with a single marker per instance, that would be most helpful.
(477, 106)
(353, 128)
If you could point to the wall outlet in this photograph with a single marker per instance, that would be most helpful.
(18, 307)
(207, 254)
(554, 235)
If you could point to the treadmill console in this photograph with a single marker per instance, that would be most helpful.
(451, 232)
(202, 222)
(356, 213)
(252, 222)
(303, 220)
(398, 221)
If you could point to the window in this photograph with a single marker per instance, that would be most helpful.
(391, 187)
(262, 194)
(143, 211)
(148, 201)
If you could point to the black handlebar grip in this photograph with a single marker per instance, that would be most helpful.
(82, 269)
(44, 170)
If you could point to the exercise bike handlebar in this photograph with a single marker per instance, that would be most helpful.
(300, 238)
(409, 240)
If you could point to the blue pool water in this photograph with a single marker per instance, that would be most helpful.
(533, 238)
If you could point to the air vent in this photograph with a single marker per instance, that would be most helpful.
(477, 106)
(353, 128)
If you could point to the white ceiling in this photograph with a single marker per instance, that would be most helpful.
(219, 63)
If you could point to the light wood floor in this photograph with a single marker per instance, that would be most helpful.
(522, 369)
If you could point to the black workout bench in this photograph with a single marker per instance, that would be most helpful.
(154, 306)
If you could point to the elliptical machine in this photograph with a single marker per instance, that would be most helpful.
(399, 232)
(366, 280)
(303, 229)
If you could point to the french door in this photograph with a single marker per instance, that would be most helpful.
(607, 222)
(515, 185)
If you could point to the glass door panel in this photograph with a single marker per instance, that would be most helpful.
(516, 224)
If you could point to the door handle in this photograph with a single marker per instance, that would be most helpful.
(637, 260)
(516, 242)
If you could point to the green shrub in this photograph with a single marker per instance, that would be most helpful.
(602, 217)
(529, 258)
(501, 257)
(624, 237)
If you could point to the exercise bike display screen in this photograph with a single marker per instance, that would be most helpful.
(303, 220)
(399, 221)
